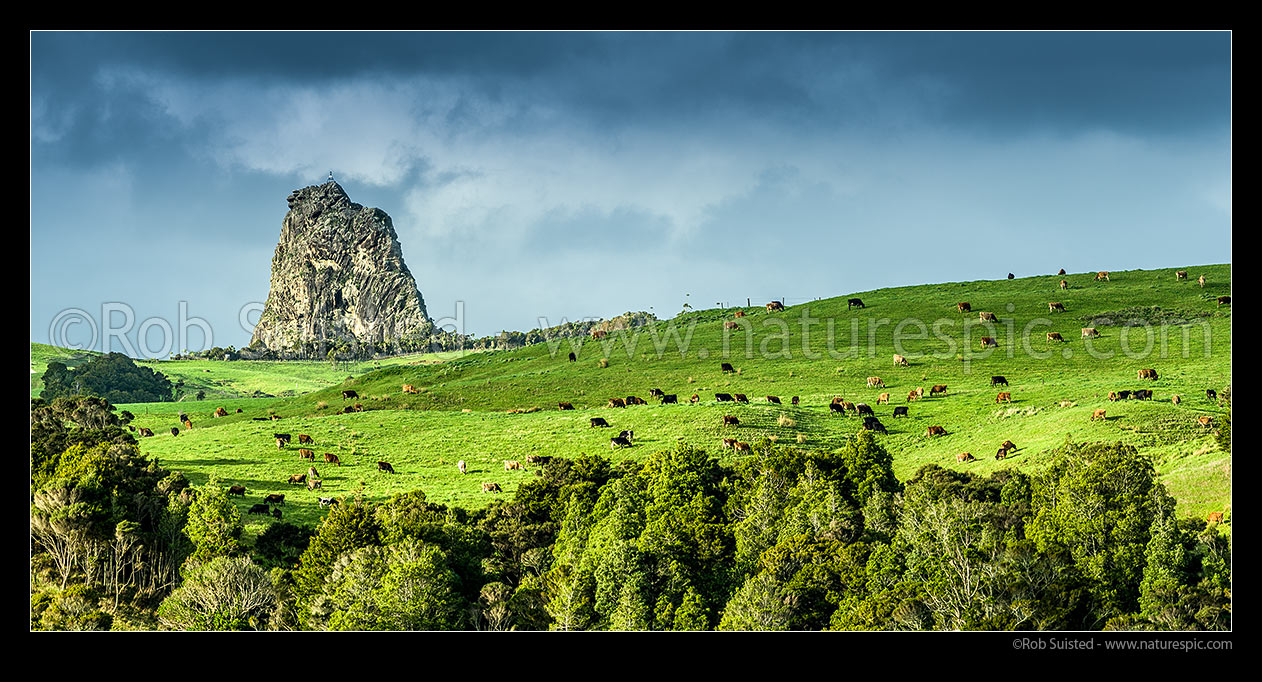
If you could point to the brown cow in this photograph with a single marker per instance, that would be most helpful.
(1064, 284)
(1224, 300)
(147, 433)
(565, 406)
(695, 398)
(1053, 307)
(1204, 421)
(1098, 414)
(238, 490)
(912, 395)
(988, 341)
(385, 466)
(775, 305)
(937, 431)
(731, 325)
(188, 424)
(1180, 274)
(1001, 454)
(741, 398)
(838, 408)
(1054, 336)
(314, 483)
(491, 488)
(632, 400)
(883, 398)
(298, 478)
(598, 333)
(274, 499)
(1148, 374)
(280, 443)
(742, 447)
(1102, 275)
(847, 405)
(876, 381)
(940, 388)
(220, 412)
(964, 307)
(1062, 271)
(1003, 398)
(616, 402)
(538, 459)
(1201, 281)
(330, 458)
(305, 439)
(1215, 517)
(965, 457)
(305, 453)
(1008, 445)
(1175, 399)
(987, 317)
(511, 464)
(729, 442)
(773, 399)
(1089, 332)
(900, 361)
(837, 400)
(409, 388)
(739, 313)
(729, 420)
(1113, 397)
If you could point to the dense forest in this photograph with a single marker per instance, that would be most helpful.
(785, 539)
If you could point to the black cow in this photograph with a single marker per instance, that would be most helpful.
(670, 398)
(599, 421)
(347, 395)
(260, 509)
(385, 466)
(619, 442)
(1011, 276)
(726, 367)
(1211, 394)
(573, 357)
(900, 411)
(872, 424)
(837, 407)
(863, 408)
(1123, 395)
(655, 392)
(854, 303)
(282, 436)
(996, 380)
(276, 514)
(175, 431)
(629, 435)
(238, 490)
(262, 419)
(1143, 394)
(723, 397)
(795, 400)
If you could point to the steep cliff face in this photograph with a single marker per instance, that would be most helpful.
(338, 279)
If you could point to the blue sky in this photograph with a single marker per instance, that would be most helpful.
(540, 176)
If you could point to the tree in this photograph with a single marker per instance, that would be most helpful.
(214, 524)
(347, 527)
(114, 377)
(405, 586)
(225, 593)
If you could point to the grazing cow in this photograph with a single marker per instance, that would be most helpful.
(729, 442)
(280, 444)
(873, 382)
(1175, 399)
(1211, 394)
(616, 402)
(326, 501)
(1088, 332)
(1008, 445)
(1054, 336)
(937, 431)
(1180, 274)
(773, 399)
(873, 424)
(1123, 395)
(864, 408)
(409, 388)
(838, 399)
(619, 442)
(188, 425)
(275, 417)
(147, 433)
(775, 305)
(1215, 517)
(965, 457)
(462, 467)
(729, 420)
(238, 490)
(1143, 394)
(731, 325)
(1062, 271)
(573, 357)
(305, 439)
(854, 303)
(1102, 275)
(900, 411)
(1148, 374)
(1204, 421)
(655, 392)
(565, 406)
(1098, 414)
(632, 400)
(989, 342)
(884, 398)
(239, 410)
(964, 307)
(741, 398)
(742, 447)
(1224, 300)
(837, 407)
(312, 473)
(670, 398)
(385, 466)
(175, 431)
(628, 434)
(913, 395)
(599, 421)
(306, 453)
(726, 367)
(723, 397)
(282, 436)
(491, 488)
(1064, 284)
(1001, 454)
(794, 400)
(274, 499)
(220, 412)
(1011, 276)
(261, 509)
(996, 380)
(330, 458)
(940, 388)
(695, 398)
(1003, 398)
(298, 478)
(1053, 307)
(347, 395)
(739, 313)
(987, 317)
(900, 361)
(848, 406)
(1113, 397)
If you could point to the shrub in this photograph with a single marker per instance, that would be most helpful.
(786, 422)
(322, 405)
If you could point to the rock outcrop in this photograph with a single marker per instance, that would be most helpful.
(339, 281)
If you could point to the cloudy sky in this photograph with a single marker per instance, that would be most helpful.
(540, 176)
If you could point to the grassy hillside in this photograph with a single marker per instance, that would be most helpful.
(461, 410)
(42, 354)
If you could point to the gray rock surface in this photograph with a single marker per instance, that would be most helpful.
(338, 279)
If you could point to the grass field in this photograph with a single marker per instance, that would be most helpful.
(462, 409)
(42, 354)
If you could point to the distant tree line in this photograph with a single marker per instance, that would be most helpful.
(114, 377)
